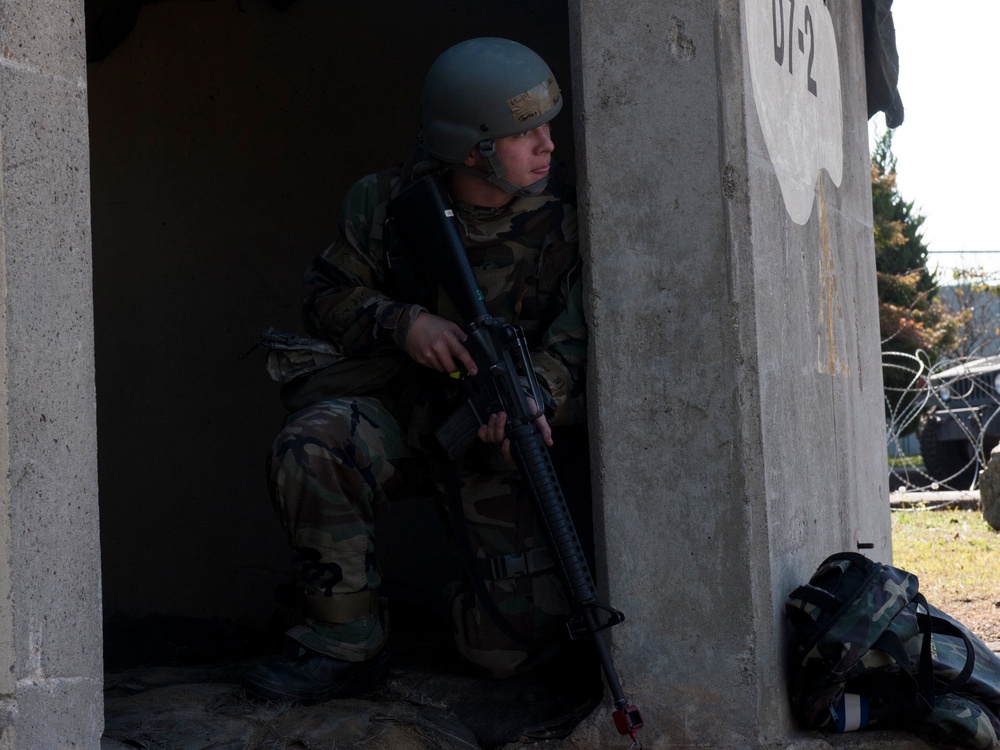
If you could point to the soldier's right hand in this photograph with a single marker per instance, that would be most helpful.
(437, 343)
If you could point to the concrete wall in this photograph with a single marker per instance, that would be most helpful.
(737, 393)
(50, 625)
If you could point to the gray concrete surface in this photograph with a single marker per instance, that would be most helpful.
(50, 627)
(736, 388)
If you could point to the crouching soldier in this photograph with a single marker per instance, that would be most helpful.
(364, 428)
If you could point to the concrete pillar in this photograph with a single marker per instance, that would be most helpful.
(50, 627)
(736, 388)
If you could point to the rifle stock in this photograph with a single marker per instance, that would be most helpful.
(426, 220)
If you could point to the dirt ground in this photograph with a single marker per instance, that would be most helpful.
(979, 611)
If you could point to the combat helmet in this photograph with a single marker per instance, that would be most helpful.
(480, 90)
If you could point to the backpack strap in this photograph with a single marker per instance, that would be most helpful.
(835, 606)
(855, 558)
(932, 625)
(891, 644)
(415, 285)
(818, 597)
(925, 676)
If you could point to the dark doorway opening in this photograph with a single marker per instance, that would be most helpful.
(223, 136)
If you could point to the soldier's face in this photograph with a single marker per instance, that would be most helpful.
(526, 157)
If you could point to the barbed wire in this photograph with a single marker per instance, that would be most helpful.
(952, 407)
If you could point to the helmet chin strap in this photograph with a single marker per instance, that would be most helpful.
(498, 175)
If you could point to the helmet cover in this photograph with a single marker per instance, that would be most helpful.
(483, 89)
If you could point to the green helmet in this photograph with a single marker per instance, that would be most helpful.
(484, 89)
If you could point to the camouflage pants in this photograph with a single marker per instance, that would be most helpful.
(332, 469)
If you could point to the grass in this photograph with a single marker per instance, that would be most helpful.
(956, 556)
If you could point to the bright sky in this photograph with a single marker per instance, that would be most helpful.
(947, 152)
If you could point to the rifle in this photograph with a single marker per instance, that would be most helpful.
(423, 215)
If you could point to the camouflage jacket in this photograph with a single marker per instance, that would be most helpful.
(525, 256)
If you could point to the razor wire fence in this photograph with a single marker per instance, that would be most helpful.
(951, 407)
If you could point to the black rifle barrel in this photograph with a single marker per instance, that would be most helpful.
(424, 215)
(532, 458)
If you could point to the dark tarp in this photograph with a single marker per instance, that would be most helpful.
(881, 61)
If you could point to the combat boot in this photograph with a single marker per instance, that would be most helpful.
(307, 677)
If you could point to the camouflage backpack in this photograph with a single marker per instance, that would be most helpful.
(869, 651)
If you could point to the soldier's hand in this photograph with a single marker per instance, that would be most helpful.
(495, 430)
(437, 343)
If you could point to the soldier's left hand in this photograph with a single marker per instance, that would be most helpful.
(495, 430)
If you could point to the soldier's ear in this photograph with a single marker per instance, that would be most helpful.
(473, 158)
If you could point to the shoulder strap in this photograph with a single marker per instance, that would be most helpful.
(930, 625)
(415, 285)
(818, 597)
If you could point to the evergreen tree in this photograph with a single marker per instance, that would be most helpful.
(911, 318)
(913, 322)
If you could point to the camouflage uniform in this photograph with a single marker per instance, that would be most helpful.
(336, 463)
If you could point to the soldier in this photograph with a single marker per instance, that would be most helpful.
(365, 432)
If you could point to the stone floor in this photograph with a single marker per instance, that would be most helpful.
(429, 701)
(173, 683)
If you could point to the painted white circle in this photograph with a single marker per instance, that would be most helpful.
(795, 74)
